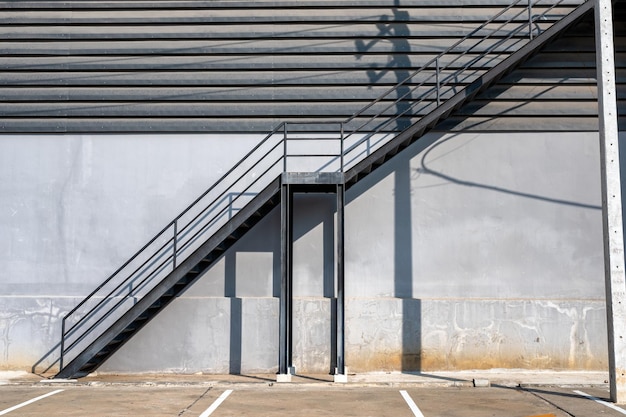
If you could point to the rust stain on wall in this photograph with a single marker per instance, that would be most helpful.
(389, 361)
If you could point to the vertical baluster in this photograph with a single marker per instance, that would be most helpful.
(437, 81)
(175, 243)
(285, 147)
(341, 146)
(530, 19)
(62, 344)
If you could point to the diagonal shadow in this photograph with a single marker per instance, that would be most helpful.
(424, 169)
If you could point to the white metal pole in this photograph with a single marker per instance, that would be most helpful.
(615, 282)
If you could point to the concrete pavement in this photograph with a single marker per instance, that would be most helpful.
(512, 393)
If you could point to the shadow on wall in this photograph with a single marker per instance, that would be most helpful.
(246, 266)
(236, 311)
(403, 269)
(47, 362)
(394, 30)
(425, 154)
(425, 169)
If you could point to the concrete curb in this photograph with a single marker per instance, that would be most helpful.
(501, 378)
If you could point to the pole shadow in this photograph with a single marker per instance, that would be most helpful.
(236, 321)
(394, 29)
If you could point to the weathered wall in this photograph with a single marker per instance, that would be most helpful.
(466, 251)
(484, 251)
(75, 207)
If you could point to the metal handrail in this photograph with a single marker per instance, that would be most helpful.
(183, 236)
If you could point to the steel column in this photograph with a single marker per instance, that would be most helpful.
(340, 280)
(615, 283)
(286, 279)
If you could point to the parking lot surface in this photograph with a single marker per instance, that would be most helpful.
(204, 396)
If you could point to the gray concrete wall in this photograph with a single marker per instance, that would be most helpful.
(491, 242)
(466, 251)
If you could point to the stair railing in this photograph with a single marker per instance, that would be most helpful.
(349, 141)
(442, 75)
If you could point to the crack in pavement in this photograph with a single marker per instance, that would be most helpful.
(547, 401)
(184, 410)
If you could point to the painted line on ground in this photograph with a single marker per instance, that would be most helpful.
(25, 403)
(411, 404)
(216, 403)
(599, 401)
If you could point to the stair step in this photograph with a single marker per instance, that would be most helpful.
(103, 352)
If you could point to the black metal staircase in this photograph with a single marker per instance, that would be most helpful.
(348, 150)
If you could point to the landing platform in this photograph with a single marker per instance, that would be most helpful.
(313, 181)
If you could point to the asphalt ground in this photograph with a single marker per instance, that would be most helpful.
(307, 396)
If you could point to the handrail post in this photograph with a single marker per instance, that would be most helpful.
(175, 243)
(341, 146)
(437, 81)
(530, 19)
(285, 147)
(62, 344)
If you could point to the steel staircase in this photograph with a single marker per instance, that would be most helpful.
(185, 248)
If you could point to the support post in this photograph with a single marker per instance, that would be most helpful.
(437, 82)
(615, 283)
(175, 246)
(530, 19)
(286, 272)
(341, 374)
(62, 356)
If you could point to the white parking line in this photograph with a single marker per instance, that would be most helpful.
(411, 403)
(25, 403)
(599, 401)
(216, 403)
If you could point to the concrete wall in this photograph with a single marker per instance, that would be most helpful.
(469, 250)
(492, 245)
